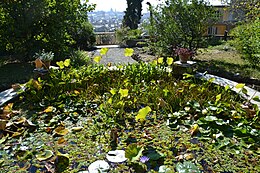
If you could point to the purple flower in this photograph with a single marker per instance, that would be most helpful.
(144, 159)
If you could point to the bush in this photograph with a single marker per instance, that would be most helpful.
(80, 58)
(179, 23)
(247, 41)
(84, 36)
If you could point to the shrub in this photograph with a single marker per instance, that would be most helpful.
(80, 58)
(247, 41)
(179, 23)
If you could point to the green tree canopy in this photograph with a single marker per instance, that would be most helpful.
(133, 14)
(28, 26)
(180, 23)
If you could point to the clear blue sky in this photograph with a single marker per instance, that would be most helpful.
(120, 5)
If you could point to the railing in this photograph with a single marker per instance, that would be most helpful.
(106, 38)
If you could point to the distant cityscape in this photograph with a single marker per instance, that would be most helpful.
(109, 21)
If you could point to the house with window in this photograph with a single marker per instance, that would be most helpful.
(227, 20)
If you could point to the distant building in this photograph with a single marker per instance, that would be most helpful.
(227, 21)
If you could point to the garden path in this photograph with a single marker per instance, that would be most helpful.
(115, 56)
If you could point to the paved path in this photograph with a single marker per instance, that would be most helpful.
(114, 56)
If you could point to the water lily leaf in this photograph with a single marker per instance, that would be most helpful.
(66, 62)
(97, 59)
(210, 118)
(256, 98)
(61, 163)
(155, 155)
(116, 156)
(60, 130)
(239, 86)
(99, 166)
(129, 52)
(194, 129)
(218, 97)
(169, 60)
(44, 155)
(123, 92)
(160, 60)
(186, 167)
(142, 113)
(49, 109)
(61, 140)
(103, 51)
(133, 152)
(60, 64)
(113, 91)
(76, 129)
(3, 124)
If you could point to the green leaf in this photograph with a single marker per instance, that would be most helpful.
(129, 52)
(239, 86)
(61, 163)
(67, 62)
(169, 60)
(218, 97)
(60, 64)
(256, 98)
(113, 91)
(210, 118)
(103, 51)
(123, 92)
(187, 167)
(44, 155)
(97, 59)
(133, 152)
(142, 113)
(160, 60)
(227, 87)
(155, 155)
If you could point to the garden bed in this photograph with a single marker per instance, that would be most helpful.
(76, 116)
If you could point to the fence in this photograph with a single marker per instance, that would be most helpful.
(106, 38)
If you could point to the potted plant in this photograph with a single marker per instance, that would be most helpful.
(43, 59)
(184, 54)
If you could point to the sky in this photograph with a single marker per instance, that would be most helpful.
(120, 5)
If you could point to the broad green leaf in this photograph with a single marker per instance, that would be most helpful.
(169, 60)
(67, 62)
(113, 91)
(129, 52)
(155, 155)
(186, 167)
(218, 97)
(210, 118)
(103, 51)
(97, 59)
(44, 155)
(154, 62)
(110, 100)
(133, 152)
(60, 64)
(60, 130)
(160, 60)
(227, 87)
(123, 92)
(61, 163)
(49, 109)
(239, 86)
(256, 98)
(194, 129)
(142, 113)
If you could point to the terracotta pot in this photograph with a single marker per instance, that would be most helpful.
(184, 58)
(46, 64)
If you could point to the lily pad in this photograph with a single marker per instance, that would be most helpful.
(116, 156)
(61, 131)
(99, 166)
(44, 155)
(187, 167)
(61, 162)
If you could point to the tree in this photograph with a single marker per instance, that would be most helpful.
(133, 14)
(32, 25)
(180, 23)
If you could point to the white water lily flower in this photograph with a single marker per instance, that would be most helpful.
(116, 156)
(99, 166)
